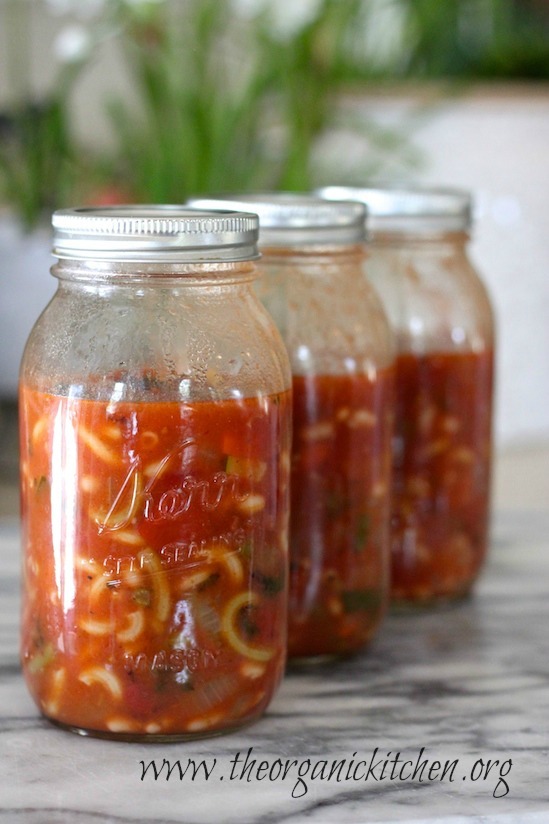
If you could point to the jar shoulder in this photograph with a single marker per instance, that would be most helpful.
(206, 346)
(440, 299)
(328, 318)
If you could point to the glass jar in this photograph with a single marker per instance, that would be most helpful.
(341, 354)
(443, 322)
(155, 434)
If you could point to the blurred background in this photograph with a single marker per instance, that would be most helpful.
(106, 101)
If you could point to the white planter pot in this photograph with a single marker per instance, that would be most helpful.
(26, 288)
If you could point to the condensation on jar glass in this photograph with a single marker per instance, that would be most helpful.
(341, 353)
(442, 317)
(155, 433)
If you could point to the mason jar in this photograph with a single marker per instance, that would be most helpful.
(155, 434)
(341, 354)
(442, 318)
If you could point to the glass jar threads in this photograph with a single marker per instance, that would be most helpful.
(341, 354)
(155, 436)
(442, 318)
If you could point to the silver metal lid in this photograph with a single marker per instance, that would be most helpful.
(409, 210)
(289, 219)
(155, 233)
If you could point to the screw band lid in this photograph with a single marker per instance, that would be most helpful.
(155, 233)
(409, 210)
(290, 219)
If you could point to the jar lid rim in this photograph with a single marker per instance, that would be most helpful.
(154, 232)
(401, 208)
(296, 218)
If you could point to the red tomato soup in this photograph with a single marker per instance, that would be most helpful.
(156, 561)
(441, 473)
(341, 460)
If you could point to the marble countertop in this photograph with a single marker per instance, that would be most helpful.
(467, 687)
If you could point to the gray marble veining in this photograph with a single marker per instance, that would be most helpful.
(466, 686)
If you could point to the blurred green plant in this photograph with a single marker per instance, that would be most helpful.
(35, 148)
(229, 97)
(36, 156)
(40, 162)
(475, 39)
(243, 94)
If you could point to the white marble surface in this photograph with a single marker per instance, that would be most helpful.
(467, 683)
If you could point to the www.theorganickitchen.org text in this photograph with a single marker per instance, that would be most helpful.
(301, 773)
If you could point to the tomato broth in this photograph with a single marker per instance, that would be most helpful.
(156, 561)
(340, 481)
(441, 476)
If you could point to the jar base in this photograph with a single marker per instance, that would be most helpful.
(448, 601)
(324, 658)
(146, 738)
(316, 660)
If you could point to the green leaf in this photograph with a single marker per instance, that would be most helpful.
(361, 600)
(42, 659)
(270, 584)
(362, 531)
(142, 597)
(41, 484)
